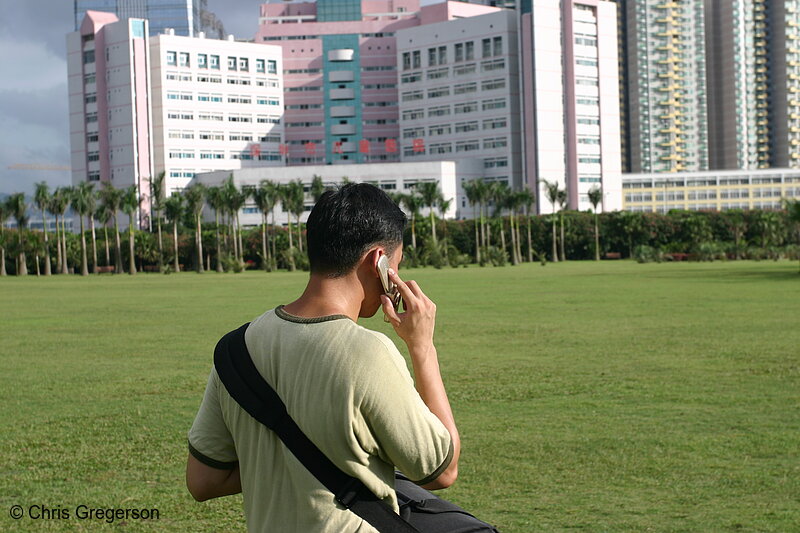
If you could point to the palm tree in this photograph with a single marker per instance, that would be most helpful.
(444, 206)
(273, 191)
(58, 206)
(552, 190)
(42, 199)
(3, 216)
(173, 207)
(430, 195)
(793, 209)
(286, 203)
(19, 210)
(317, 188)
(103, 216)
(482, 191)
(412, 202)
(80, 204)
(473, 197)
(265, 202)
(562, 201)
(195, 196)
(112, 201)
(596, 196)
(92, 214)
(298, 206)
(215, 198)
(156, 206)
(527, 199)
(129, 204)
(234, 201)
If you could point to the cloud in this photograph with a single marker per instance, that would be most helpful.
(31, 65)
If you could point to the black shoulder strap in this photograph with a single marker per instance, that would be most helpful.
(245, 385)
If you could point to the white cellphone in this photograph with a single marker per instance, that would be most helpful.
(388, 286)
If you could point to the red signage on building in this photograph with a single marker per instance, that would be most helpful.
(363, 146)
(311, 148)
(391, 145)
(418, 145)
(283, 149)
(337, 147)
(255, 150)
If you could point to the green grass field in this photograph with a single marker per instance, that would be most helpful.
(595, 397)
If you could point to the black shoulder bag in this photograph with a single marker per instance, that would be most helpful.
(421, 508)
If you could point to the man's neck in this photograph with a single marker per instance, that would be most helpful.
(329, 296)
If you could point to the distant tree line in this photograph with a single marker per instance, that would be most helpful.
(504, 230)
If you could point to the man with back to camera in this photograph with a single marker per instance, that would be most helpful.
(346, 387)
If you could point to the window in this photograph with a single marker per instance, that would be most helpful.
(440, 148)
(413, 133)
(411, 78)
(497, 43)
(412, 95)
(439, 111)
(469, 51)
(89, 78)
(487, 47)
(240, 118)
(413, 114)
(468, 146)
(465, 127)
(432, 57)
(92, 137)
(172, 59)
(91, 98)
(440, 129)
(231, 63)
(91, 117)
(465, 88)
(234, 99)
(494, 123)
(214, 62)
(266, 101)
(202, 61)
(468, 107)
(260, 65)
(439, 92)
(442, 55)
(496, 64)
(184, 59)
(240, 137)
(244, 65)
(464, 70)
(499, 142)
(406, 60)
(491, 85)
(438, 73)
(93, 156)
(416, 59)
(458, 51)
(93, 175)
(497, 103)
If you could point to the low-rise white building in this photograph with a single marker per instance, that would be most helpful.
(391, 177)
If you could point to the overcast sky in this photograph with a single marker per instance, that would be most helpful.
(34, 127)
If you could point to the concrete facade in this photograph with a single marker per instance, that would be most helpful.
(216, 105)
(571, 100)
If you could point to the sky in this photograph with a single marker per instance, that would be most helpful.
(34, 111)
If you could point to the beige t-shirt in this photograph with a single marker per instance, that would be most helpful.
(350, 392)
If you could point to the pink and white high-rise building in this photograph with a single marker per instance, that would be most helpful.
(109, 100)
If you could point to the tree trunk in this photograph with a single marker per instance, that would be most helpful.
(118, 249)
(3, 261)
(84, 261)
(58, 246)
(274, 243)
(264, 257)
(216, 240)
(46, 247)
(94, 245)
(561, 244)
(291, 244)
(433, 227)
(160, 243)
(299, 233)
(131, 249)
(530, 243)
(239, 236)
(22, 265)
(108, 255)
(176, 264)
(596, 239)
(514, 259)
(503, 236)
(555, 240)
(483, 226)
(199, 239)
(477, 244)
(65, 261)
(413, 231)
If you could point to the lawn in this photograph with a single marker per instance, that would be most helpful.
(595, 397)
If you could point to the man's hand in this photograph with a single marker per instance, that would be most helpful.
(415, 325)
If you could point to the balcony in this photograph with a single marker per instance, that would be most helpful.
(343, 111)
(341, 75)
(342, 94)
(343, 129)
(341, 54)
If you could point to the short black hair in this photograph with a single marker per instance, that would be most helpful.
(346, 222)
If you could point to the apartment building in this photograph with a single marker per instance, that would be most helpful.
(184, 17)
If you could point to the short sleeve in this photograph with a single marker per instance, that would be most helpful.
(210, 441)
(407, 433)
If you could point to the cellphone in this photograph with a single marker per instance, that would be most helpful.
(388, 286)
